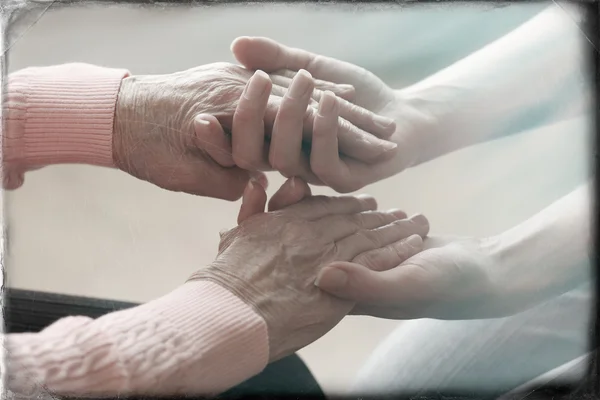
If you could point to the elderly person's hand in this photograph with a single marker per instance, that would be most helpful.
(271, 259)
(155, 115)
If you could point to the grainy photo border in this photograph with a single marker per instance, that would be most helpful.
(18, 16)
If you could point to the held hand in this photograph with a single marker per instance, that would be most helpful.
(155, 139)
(295, 242)
(415, 117)
(453, 278)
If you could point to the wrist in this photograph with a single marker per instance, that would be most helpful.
(61, 114)
(425, 116)
(246, 293)
(124, 109)
(527, 271)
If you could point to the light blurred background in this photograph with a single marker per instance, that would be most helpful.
(98, 232)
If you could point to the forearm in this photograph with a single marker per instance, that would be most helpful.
(199, 339)
(549, 254)
(58, 114)
(486, 94)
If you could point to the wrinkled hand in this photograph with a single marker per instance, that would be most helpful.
(155, 139)
(271, 260)
(414, 117)
(453, 278)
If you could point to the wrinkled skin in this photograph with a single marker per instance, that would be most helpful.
(270, 260)
(155, 140)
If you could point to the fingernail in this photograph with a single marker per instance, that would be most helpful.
(256, 88)
(388, 146)
(397, 213)
(345, 87)
(260, 178)
(364, 196)
(414, 241)
(327, 103)
(384, 122)
(331, 278)
(201, 119)
(419, 219)
(300, 85)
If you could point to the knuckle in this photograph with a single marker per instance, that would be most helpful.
(379, 219)
(320, 202)
(370, 237)
(399, 251)
(358, 220)
(370, 260)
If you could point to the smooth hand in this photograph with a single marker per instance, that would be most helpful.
(453, 278)
(155, 137)
(327, 163)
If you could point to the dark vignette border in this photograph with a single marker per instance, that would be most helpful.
(18, 14)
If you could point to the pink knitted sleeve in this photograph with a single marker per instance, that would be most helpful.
(199, 339)
(59, 114)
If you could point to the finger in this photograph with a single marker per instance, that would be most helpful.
(392, 255)
(403, 285)
(284, 78)
(260, 178)
(317, 207)
(253, 201)
(281, 91)
(211, 181)
(269, 55)
(210, 137)
(325, 160)
(286, 138)
(364, 119)
(365, 240)
(291, 192)
(248, 139)
(353, 141)
(337, 227)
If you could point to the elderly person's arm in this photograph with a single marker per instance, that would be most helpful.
(228, 321)
(59, 114)
(143, 125)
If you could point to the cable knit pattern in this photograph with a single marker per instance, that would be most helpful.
(199, 339)
(59, 114)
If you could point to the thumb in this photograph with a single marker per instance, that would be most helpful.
(253, 201)
(291, 192)
(210, 137)
(358, 283)
(258, 53)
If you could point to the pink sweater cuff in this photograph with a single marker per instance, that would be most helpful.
(59, 114)
(199, 339)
